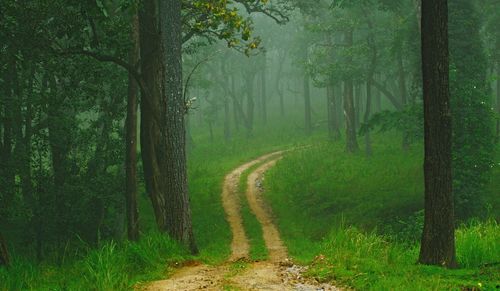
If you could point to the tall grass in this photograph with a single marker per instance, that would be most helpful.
(111, 267)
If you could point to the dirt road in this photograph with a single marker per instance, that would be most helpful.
(278, 273)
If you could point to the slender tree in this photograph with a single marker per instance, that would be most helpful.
(131, 139)
(438, 238)
(350, 114)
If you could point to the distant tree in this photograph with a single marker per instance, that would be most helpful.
(438, 238)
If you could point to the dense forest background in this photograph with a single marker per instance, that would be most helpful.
(85, 138)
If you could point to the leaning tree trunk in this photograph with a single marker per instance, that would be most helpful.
(438, 238)
(350, 118)
(307, 106)
(178, 212)
(131, 140)
(4, 254)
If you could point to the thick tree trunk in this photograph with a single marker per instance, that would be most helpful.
(4, 254)
(178, 211)
(357, 105)
(307, 105)
(350, 118)
(438, 238)
(152, 132)
(131, 140)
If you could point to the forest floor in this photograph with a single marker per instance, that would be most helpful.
(278, 272)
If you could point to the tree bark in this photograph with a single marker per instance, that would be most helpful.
(152, 132)
(350, 118)
(307, 106)
(131, 139)
(178, 211)
(438, 238)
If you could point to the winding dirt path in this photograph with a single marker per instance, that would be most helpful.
(277, 273)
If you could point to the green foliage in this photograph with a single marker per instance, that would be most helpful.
(471, 109)
(410, 120)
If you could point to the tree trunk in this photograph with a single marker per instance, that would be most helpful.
(333, 126)
(178, 211)
(378, 101)
(350, 118)
(152, 144)
(357, 105)
(250, 104)
(4, 254)
(307, 105)
(438, 238)
(498, 101)
(368, 142)
(404, 95)
(60, 122)
(236, 112)
(263, 93)
(131, 140)
(227, 120)
(7, 179)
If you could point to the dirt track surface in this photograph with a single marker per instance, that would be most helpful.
(278, 273)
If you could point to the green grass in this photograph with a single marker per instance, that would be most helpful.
(111, 267)
(356, 220)
(119, 266)
(253, 229)
(370, 261)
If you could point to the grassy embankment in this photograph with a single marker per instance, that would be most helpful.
(355, 220)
